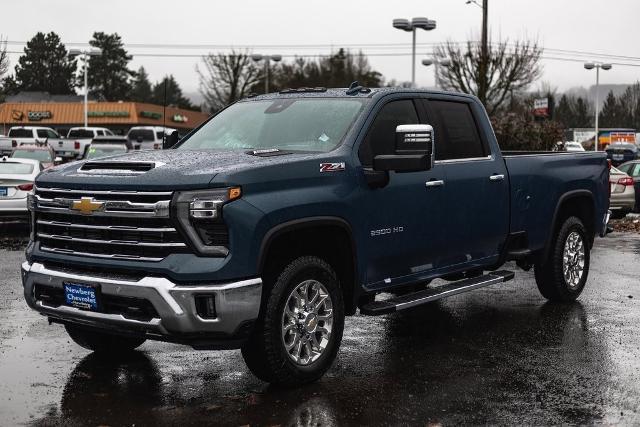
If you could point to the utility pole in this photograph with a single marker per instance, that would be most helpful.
(484, 61)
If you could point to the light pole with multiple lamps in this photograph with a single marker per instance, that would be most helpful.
(85, 54)
(597, 66)
(267, 60)
(406, 25)
(444, 62)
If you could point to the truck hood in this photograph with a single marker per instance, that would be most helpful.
(174, 169)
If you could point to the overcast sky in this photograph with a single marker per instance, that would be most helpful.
(605, 27)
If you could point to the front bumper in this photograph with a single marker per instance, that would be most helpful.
(237, 306)
(13, 206)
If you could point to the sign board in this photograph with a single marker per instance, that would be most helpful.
(36, 116)
(17, 115)
(622, 137)
(180, 118)
(541, 107)
(108, 114)
(150, 115)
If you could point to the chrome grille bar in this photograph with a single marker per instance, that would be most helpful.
(90, 254)
(159, 209)
(113, 242)
(107, 227)
(103, 192)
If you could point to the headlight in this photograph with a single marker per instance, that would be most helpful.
(199, 214)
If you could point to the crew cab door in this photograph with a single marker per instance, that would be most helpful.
(476, 191)
(401, 223)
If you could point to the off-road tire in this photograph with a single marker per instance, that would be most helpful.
(265, 353)
(101, 342)
(549, 272)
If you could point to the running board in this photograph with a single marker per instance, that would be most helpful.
(376, 308)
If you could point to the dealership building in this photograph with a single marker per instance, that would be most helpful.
(64, 113)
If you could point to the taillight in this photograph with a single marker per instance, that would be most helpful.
(609, 164)
(156, 146)
(76, 145)
(14, 143)
(625, 181)
(26, 187)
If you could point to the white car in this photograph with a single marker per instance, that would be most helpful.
(82, 136)
(148, 137)
(16, 182)
(573, 146)
(27, 135)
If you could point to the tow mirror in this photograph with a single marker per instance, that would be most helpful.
(57, 160)
(170, 140)
(413, 150)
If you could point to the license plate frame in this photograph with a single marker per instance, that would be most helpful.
(82, 296)
(618, 157)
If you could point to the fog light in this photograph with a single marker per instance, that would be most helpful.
(206, 306)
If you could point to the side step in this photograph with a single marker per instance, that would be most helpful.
(376, 308)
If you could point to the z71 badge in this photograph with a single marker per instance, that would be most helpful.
(332, 167)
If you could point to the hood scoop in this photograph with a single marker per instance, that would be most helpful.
(118, 168)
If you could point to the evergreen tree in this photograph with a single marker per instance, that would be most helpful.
(109, 78)
(45, 66)
(141, 90)
(612, 113)
(584, 115)
(168, 92)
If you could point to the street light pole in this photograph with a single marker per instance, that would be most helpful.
(406, 25)
(437, 63)
(85, 54)
(267, 60)
(597, 66)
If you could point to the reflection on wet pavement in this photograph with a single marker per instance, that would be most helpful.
(497, 356)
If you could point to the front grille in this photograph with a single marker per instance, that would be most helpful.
(106, 224)
(129, 307)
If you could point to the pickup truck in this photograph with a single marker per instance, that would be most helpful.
(282, 214)
(27, 135)
(148, 137)
(82, 137)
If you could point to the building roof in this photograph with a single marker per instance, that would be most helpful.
(100, 114)
(44, 97)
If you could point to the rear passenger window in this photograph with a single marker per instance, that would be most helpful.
(456, 133)
(42, 133)
(381, 136)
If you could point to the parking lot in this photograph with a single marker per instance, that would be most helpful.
(501, 355)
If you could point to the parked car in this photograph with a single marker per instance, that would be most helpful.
(633, 170)
(27, 135)
(84, 135)
(16, 182)
(573, 146)
(103, 146)
(621, 152)
(623, 195)
(41, 152)
(286, 212)
(148, 137)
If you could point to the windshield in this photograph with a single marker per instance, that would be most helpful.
(302, 124)
(95, 152)
(144, 134)
(80, 133)
(15, 168)
(42, 155)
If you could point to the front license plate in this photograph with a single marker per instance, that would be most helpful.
(4, 191)
(85, 297)
(618, 156)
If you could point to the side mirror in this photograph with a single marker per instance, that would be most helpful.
(57, 160)
(170, 140)
(413, 150)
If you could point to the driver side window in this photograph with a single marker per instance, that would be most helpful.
(381, 136)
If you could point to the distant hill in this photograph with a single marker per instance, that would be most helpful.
(603, 91)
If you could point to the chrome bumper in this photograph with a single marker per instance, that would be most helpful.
(236, 303)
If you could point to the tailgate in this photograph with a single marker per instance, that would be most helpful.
(65, 147)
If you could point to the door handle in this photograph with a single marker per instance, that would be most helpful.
(435, 183)
(496, 177)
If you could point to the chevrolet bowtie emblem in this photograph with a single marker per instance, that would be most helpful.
(87, 205)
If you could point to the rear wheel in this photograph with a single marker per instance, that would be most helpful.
(563, 274)
(300, 330)
(101, 342)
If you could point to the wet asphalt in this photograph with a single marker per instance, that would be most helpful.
(499, 355)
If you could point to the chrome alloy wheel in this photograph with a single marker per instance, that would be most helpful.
(573, 259)
(306, 322)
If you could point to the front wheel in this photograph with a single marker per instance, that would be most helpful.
(101, 342)
(562, 275)
(300, 330)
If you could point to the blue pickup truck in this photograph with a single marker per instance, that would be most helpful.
(267, 225)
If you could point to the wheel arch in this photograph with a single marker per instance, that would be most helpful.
(579, 203)
(328, 237)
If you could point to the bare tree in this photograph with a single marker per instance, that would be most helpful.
(510, 68)
(225, 78)
(4, 58)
